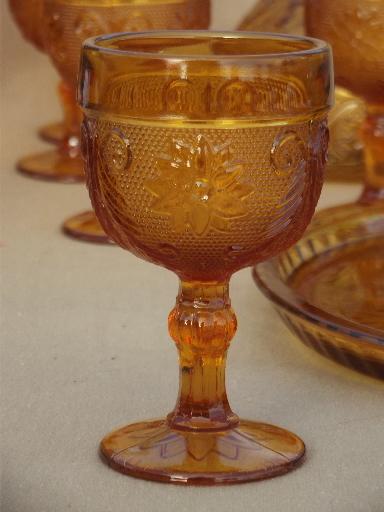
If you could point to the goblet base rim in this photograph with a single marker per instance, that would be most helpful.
(53, 166)
(86, 227)
(54, 133)
(153, 450)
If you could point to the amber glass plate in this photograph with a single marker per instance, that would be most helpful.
(329, 287)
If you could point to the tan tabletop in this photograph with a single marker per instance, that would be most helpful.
(85, 349)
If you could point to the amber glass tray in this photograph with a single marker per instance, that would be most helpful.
(329, 287)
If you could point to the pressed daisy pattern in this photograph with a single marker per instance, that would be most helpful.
(200, 186)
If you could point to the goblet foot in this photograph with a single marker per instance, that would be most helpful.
(53, 166)
(86, 227)
(54, 133)
(154, 450)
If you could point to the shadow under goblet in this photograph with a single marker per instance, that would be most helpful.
(204, 154)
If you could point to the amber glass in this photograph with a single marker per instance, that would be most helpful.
(345, 162)
(329, 286)
(28, 14)
(355, 29)
(204, 154)
(67, 23)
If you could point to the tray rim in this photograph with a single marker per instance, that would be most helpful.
(275, 289)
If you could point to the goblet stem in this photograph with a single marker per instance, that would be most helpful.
(373, 138)
(64, 163)
(72, 119)
(202, 325)
(202, 441)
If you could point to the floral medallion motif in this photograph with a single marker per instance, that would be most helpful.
(199, 186)
(116, 152)
(288, 153)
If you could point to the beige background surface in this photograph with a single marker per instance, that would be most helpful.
(85, 349)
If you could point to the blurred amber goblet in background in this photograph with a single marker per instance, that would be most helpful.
(345, 162)
(28, 16)
(355, 29)
(69, 22)
(204, 154)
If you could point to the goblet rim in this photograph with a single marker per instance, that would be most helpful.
(99, 44)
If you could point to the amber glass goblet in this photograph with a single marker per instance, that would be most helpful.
(345, 162)
(355, 29)
(68, 23)
(204, 154)
(28, 16)
(64, 25)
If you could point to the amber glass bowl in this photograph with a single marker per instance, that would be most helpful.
(204, 154)
(327, 287)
